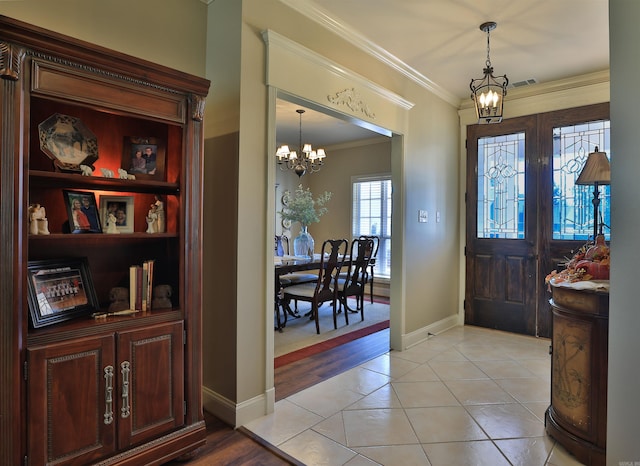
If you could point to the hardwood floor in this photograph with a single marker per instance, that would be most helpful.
(239, 447)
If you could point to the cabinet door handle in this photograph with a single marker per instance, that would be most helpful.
(108, 395)
(125, 369)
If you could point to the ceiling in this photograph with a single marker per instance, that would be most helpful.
(441, 40)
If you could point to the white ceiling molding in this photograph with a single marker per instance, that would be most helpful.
(272, 38)
(315, 13)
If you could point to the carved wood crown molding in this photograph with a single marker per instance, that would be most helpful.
(10, 60)
(352, 99)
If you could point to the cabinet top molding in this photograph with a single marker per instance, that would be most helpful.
(69, 48)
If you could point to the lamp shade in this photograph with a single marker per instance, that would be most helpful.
(596, 170)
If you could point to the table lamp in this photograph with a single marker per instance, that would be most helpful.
(596, 171)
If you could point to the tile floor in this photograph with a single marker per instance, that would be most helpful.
(467, 396)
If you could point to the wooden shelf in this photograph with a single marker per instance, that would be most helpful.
(64, 180)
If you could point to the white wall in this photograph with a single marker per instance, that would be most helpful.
(623, 408)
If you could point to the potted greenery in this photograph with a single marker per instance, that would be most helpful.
(302, 208)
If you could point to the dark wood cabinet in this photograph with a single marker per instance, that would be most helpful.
(120, 389)
(577, 417)
(104, 393)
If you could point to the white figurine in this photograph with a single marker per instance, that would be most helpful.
(112, 228)
(38, 223)
(152, 220)
(107, 173)
(86, 170)
(160, 223)
(122, 174)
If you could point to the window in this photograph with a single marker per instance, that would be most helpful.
(501, 175)
(371, 215)
(572, 203)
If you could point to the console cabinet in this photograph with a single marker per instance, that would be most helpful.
(577, 417)
(118, 389)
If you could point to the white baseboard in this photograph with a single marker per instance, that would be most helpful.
(238, 414)
(422, 334)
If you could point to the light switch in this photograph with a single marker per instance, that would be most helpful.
(423, 216)
(438, 216)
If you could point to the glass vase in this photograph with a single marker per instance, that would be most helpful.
(303, 243)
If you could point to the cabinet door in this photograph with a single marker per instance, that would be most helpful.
(150, 382)
(71, 401)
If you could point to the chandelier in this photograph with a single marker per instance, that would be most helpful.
(308, 160)
(488, 92)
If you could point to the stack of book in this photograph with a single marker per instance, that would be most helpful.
(141, 286)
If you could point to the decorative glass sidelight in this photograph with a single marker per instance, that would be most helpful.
(572, 203)
(501, 186)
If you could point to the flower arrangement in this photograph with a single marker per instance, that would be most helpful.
(303, 208)
(590, 262)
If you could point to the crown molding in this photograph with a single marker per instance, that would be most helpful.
(312, 11)
(272, 38)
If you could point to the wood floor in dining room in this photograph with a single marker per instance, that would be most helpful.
(229, 447)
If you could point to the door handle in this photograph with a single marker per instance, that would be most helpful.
(108, 395)
(125, 369)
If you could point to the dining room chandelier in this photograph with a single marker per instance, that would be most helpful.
(308, 160)
(488, 92)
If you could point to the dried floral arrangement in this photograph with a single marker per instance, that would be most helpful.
(590, 262)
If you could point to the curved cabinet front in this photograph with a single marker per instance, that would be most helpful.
(577, 417)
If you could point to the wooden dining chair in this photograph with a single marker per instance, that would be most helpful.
(324, 289)
(372, 262)
(355, 280)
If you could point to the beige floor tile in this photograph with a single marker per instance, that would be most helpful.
(389, 365)
(527, 390)
(448, 355)
(384, 397)
(507, 421)
(358, 379)
(526, 451)
(333, 428)
(480, 453)
(325, 401)
(424, 394)
(538, 408)
(396, 455)
(539, 367)
(482, 352)
(314, 449)
(450, 370)
(422, 373)
(432, 404)
(373, 427)
(503, 369)
(444, 424)
(360, 461)
(561, 457)
(287, 421)
(478, 392)
(417, 355)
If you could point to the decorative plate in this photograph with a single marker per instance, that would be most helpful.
(68, 142)
(286, 223)
(286, 196)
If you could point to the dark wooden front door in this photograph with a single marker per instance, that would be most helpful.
(525, 213)
(501, 226)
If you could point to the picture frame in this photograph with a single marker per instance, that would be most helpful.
(122, 208)
(59, 290)
(82, 211)
(144, 157)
